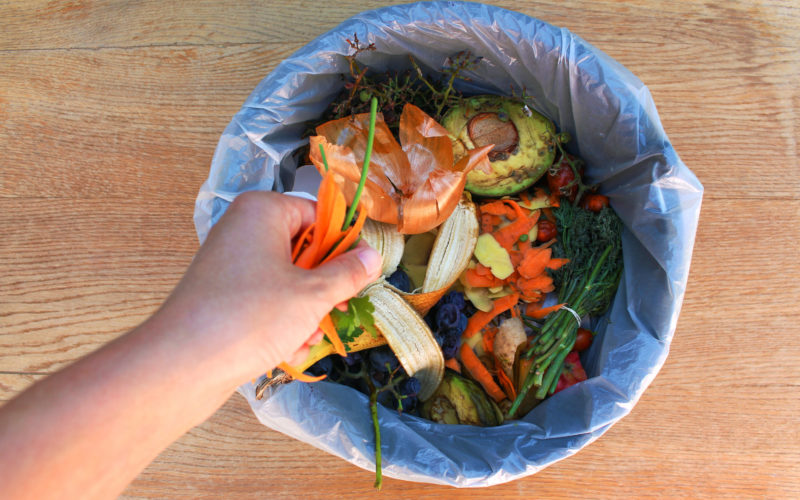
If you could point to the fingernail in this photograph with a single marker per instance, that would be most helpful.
(370, 259)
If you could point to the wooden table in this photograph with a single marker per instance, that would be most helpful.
(110, 113)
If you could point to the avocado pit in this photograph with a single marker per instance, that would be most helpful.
(488, 128)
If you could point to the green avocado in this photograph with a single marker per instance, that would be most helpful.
(524, 143)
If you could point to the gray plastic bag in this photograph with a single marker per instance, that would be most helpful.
(615, 129)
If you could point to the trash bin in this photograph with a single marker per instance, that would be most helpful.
(615, 128)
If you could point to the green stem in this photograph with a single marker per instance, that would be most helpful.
(553, 372)
(373, 113)
(324, 160)
(373, 408)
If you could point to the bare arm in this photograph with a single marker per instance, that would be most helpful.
(241, 309)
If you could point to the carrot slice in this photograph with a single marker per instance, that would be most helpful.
(534, 262)
(334, 233)
(325, 198)
(509, 234)
(302, 240)
(505, 382)
(352, 234)
(488, 341)
(541, 313)
(327, 327)
(479, 372)
(483, 270)
(297, 374)
(486, 223)
(494, 208)
(532, 307)
(453, 364)
(475, 280)
(480, 319)
(556, 263)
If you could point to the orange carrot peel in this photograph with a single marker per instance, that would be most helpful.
(479, 372)
(480, 319)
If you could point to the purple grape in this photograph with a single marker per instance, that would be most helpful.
(382, 356)
(450, 346)
(400, 280)
(447, 316)
(353, 358)
(410, 387)
(455, 298)
(322, 367)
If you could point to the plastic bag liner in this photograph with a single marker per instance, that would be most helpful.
(615, 129)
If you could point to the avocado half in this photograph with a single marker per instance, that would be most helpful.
(524, 143)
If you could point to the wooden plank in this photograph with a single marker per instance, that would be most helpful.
(82, 24)
(144, 112)
(79, 273)
(120, 123)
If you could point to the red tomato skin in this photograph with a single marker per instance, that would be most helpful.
(595, 202)
(547, 231)
(583, 341)
(559, 176)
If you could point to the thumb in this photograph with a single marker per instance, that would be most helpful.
(350, 272)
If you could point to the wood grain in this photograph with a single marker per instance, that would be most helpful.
(110, 113)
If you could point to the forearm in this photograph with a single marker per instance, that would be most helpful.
(241, 308)
(89, 430)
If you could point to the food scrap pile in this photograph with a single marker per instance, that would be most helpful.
(495, 252)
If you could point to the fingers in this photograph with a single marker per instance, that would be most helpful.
(289, 213)
(315, 338)
(344, 276)
(299, 213)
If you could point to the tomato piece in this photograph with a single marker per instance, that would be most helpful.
(547, 231)
(584, 340)
(561, 175)
(594, 202)
(573, 372)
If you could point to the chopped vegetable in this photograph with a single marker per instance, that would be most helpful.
(475, 368)
(494, 256)
(330, 235)
(583, 340)
(510, 335)
(480, 319)
(539, 312)
(453, 364)
(592, 242)
(547, 231)
(594, 202)
(508, 235)
(415, 183)
(572, 374)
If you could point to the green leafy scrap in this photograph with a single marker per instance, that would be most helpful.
(357, 319)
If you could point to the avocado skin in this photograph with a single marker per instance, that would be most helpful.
(459, 400)
(521, 168)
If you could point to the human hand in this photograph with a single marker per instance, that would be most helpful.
(246, 301)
